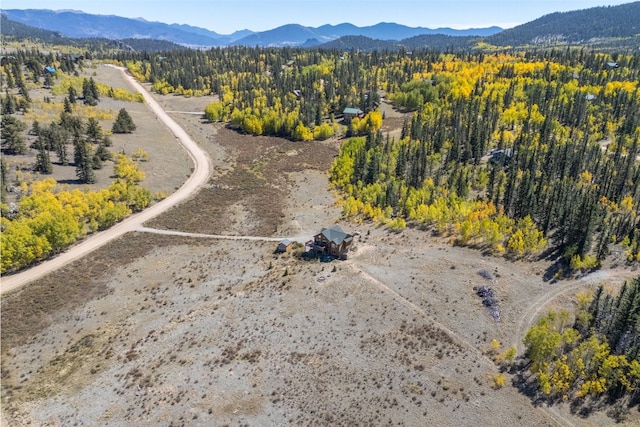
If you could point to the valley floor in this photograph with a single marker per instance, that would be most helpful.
(160, 329)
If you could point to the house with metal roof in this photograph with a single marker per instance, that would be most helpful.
(284, 245)
(350, 113)
(333, 241)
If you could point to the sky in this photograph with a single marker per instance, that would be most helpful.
(227, 16)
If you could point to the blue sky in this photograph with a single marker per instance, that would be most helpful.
(226, 16)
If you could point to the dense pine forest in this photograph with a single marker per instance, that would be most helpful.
(514, 153)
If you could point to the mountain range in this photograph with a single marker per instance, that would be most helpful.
(605, 28)
(78, 24)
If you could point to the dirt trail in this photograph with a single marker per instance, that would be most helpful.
(550, 412)
(534, 310)
(300, 239)
(199, 176)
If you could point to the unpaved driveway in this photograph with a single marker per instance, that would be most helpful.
(199, 177)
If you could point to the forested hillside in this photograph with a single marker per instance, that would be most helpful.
(13, 31)
(505, 152)
(575, 26)
(21, 31)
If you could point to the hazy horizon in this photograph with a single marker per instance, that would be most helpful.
(227, 16)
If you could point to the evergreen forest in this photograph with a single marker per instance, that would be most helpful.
(515, 153)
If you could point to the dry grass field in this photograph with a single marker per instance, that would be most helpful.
(162, 330)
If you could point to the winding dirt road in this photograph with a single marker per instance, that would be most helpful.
(200, 175)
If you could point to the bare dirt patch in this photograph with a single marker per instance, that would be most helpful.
(251, 198)
(169, 330)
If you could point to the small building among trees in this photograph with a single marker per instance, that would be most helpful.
(332, 241)
(350, 113)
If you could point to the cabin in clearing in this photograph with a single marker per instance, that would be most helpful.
(333, 241)
(284, 245)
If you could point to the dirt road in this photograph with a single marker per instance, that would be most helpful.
(200, 175)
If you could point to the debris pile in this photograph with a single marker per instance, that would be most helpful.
(485, 274)
(488, 296)
(489, 300)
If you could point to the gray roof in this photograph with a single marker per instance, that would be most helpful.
(352, 111)
(336, 235)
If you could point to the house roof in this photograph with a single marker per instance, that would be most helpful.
(352, 111)
(50, 69)
(285, 242)
(336, 235)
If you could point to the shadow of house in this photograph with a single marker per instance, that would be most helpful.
(332, 241)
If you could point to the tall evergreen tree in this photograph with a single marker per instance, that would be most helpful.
(3, 180)
(93, 130)
(124, 123)
(11, 131)
(43, 160)
(83, 159)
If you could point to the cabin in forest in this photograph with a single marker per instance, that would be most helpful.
(49, 69)
(332, 241)
(351, 113)
(500, 157)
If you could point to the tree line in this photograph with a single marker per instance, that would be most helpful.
(293, 93)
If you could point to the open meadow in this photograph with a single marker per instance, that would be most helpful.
(169, 330)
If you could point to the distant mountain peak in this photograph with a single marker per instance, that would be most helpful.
(113, 27)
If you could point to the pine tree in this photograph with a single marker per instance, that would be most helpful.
(48, 80)
(83, 161)
(3, 180)
(72, 95)
(67, 106)
(93, 130)
(8, 104)
(12, 129)
(43, 160)
(123, 123)
(90, 92)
